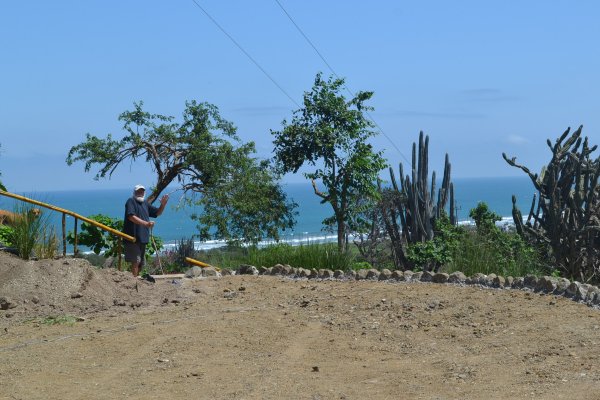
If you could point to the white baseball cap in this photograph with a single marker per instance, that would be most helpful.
(138, 187)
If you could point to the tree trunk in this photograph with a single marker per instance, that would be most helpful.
(341, 237)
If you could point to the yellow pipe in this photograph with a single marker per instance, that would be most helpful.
(200, 263)
(71, 213)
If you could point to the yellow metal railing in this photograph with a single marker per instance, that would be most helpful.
(77, 217)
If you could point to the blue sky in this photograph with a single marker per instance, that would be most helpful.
(480, 78)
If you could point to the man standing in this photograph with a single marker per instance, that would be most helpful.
(137, 224)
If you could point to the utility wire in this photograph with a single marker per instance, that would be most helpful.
(336, 75)
(246, 53)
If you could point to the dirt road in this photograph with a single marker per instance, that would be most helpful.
(266, 337)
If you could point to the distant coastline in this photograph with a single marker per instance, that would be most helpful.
(176, 224)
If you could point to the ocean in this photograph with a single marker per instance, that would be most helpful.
(176, 224)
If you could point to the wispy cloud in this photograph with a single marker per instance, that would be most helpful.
(489, 95)
(517, 140)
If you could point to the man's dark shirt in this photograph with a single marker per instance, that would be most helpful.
(143, 211)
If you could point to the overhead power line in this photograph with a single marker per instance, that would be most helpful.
(246, 53)
(336, 75)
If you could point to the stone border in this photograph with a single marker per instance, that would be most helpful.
(579, 292)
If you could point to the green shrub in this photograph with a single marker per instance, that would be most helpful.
(27, 229)
(6, 235)
(487, 249)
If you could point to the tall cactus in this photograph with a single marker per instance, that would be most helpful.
(415, 203)
(566, 219)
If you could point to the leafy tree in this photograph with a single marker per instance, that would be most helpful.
(204, 155)
(330, 134)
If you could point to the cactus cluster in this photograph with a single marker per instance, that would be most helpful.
(564, 220)
(414, 202)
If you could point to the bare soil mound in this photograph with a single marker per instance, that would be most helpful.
(72, 286)
(270, 337)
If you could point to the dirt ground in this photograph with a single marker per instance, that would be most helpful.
(268, 337)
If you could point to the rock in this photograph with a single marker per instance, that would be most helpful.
(397, 275)
(498, 282)
(582, 293)
(408, 275)
(246, 269)
(508, 281)
(120, 303)
(573, 289)
(530, 281)
(338, 274)
(592, 294)
(518, 283)
(361, 274)
(351, 274)
(477, 279)
(35, 300)
(287, 270)
(6, 303)
(440, 277)
(457, 277)
(76, 295)
(277, 269)
(109, 262)
(211, 271)
(426, 276)
(373, 274)
(546, 284)
(326, 274)
(561, 285)
(227, 272)
(197, 272)
(314, 274)
(194, 272)
(385, 274)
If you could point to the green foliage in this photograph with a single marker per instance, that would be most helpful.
(97, 239)
(27, 229)
(488, 249)
(432, 254)
(361, 265)
(485, 219)
(247, 207)
(317, 256)
(6, 235)
(238, 193)
(331, 134)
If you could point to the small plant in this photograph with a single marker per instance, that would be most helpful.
(361, 265)
(47, 245)
(60, 320)
(27, 229)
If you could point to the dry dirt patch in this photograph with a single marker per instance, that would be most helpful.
(246, 337)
